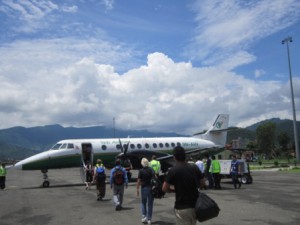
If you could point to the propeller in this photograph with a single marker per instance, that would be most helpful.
(124, 148)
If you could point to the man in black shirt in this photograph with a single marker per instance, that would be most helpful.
(184, 180)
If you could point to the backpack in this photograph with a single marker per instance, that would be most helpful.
(118, 176)
(157, 191)
(100, 174)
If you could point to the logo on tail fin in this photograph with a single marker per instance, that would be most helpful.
(219, 124)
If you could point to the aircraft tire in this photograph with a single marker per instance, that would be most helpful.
(249, 179)
(46, 184)
(244, 179)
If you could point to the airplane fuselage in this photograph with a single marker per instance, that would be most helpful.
(69, 153)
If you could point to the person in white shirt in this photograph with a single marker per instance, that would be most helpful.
(200, 165)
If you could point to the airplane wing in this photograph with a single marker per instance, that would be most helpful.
(166, 160)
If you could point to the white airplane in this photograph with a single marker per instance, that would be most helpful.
(76, 152)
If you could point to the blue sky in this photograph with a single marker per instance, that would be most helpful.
(161, 65)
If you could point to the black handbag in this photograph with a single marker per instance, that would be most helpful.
(206, 208)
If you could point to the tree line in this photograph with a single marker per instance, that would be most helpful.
(272, 145)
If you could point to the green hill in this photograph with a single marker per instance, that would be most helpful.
(20, 142)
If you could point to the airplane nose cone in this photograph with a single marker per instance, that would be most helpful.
(18, 165)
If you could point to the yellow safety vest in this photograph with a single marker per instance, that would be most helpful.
(2, 171)
(98, 165)
(215, 166)
(155, 165)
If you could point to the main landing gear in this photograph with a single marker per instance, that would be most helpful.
(46, 182)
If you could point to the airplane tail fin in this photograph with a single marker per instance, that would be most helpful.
(218, 132)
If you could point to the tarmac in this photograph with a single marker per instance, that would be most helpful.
(273, 198)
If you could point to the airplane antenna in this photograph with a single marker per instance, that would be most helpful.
(114, 127)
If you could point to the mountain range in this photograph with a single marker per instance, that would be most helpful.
(19, 142)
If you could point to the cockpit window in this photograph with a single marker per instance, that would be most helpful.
(64, 146)
(56, 146)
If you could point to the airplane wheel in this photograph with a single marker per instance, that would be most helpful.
(249, 180)
(244, 179)
(46, 184)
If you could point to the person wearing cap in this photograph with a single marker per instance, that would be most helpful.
(2, 176)
(118, 184)
(100, 178)
(144, 180)
(183, 179)
(99, 163)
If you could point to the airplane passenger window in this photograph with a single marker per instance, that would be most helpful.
(56, 147)
(161, 145)
(154, 145)
(147, 145)
(104, 147)
(118, 146)
(172, 144)
(178, 144)
(167, 145)
(132, 146)
(139, 146)
(70, 146)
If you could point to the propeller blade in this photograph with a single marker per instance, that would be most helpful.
(122, 150)
(126, 148)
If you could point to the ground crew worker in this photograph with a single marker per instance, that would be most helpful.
(2, 176)
(155, 165)
(234, 172)
(208, 173)
(215, 169)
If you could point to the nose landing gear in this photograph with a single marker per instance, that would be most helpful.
(46, 182)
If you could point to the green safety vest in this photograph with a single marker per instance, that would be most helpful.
(2, 172)
(215, 166)
(155, 165)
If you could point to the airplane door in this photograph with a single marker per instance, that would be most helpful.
(86, 157)
(87, 153)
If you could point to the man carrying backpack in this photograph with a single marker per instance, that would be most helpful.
(118, 181)
(99, 179)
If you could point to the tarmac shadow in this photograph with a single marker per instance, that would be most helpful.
(126, 208)
(105, 200)
(162, 223)
(54, 186)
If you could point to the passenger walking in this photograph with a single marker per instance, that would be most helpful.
(155, 165)
(215, 169)
(200, 165)
(88, 175)
(144, 180)
(118, 182)
(234, 172)
(183, 179)
(2, 176)
(99, 179)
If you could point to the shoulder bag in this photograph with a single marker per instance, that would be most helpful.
(206, 208)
